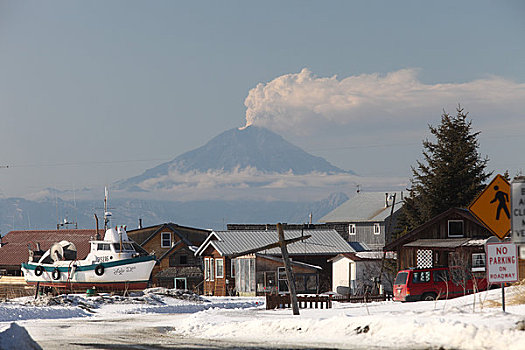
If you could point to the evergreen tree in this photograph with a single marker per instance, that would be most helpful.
(451, 175)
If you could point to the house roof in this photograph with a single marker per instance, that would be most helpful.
(14, 249)
(365, 256)
(446, 243)
(364, 207)
(359, 246)
(189, 235)
(412, 235)
(321, 242)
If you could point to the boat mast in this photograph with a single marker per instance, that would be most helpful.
(107, 214)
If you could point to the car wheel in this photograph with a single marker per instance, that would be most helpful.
(428, 297)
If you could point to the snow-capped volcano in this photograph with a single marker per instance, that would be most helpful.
(254, 148)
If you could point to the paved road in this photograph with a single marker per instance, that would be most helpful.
(126, 332)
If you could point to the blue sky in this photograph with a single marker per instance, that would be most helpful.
(92, 92)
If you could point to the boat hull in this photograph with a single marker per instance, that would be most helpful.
(127, 274)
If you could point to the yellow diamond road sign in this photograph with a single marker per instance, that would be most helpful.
(492, 207)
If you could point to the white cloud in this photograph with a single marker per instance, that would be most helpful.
(303, 103)
(249, 183)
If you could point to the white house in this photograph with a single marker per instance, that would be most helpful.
(357, 272)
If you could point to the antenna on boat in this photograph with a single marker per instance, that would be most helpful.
(107, 214)
(65, 223)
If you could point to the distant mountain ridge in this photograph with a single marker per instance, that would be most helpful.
(236, 149)
(22, 214)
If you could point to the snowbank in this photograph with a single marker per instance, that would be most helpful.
(13, 336)
(471, 322)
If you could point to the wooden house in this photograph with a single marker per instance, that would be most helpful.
(174, 246)
(220, 274)
(367, 218)
(454, 237)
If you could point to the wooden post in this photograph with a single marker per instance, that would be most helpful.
(288, 269)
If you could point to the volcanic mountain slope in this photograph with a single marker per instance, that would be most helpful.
(252, 147)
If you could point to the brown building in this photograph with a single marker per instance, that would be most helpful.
(221, 271)
(14, 246)
(452, 238)
(174, 246)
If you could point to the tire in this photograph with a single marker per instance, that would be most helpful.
(39, 270)
(55, 274)
(428, 297)
(99, 270)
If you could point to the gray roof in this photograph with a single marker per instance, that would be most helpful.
(322, 242)
(365, 206)
(446, 243)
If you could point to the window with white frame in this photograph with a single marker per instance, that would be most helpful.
(478, 262)
(351, 229)
(377, 229)
(165, 239)
(455, 228)
(219, 268)
(211, 270)
(206, 269)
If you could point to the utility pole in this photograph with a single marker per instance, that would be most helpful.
(288, 269)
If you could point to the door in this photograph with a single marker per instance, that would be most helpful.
(181, 283)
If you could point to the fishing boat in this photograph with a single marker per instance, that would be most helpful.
(112, 264)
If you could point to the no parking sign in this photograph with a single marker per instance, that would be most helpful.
(502, 262)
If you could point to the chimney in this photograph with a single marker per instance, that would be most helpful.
(386, 200)
(310, 218)
(140, 223)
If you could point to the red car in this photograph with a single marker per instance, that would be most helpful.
(435, 283)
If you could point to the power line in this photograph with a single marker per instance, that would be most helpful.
(36, 165)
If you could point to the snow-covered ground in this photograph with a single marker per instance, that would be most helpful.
(163, 321)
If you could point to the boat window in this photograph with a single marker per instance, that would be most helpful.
(103, 246)
(125, 246)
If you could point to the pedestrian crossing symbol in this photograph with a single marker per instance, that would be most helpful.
(492, 207)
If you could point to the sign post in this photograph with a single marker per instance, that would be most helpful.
(492, 208)
(502, 265)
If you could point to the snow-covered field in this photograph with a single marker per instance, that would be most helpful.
(162, 321)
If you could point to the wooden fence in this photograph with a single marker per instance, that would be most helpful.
(281, 301)
(367, 298)
(14, 287)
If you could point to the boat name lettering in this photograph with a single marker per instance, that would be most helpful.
(121, 270)
(102, 258)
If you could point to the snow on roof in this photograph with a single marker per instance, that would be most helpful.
(365, 206)
(375, 255)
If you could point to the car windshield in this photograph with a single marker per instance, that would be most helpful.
(401, 278)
